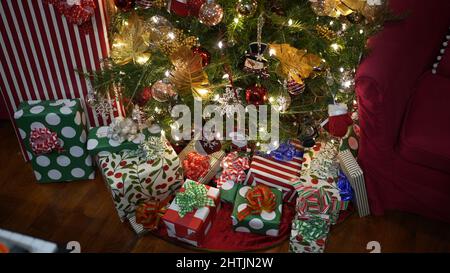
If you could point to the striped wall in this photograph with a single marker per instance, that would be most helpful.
(40, 51)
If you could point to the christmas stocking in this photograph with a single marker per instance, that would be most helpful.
(338, 121)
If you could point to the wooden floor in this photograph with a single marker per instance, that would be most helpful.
(84, 212)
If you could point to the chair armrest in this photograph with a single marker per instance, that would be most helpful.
(399, 55)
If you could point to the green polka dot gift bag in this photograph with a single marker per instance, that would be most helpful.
(54, 134)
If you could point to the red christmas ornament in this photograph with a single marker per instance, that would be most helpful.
(256, 94)
(145, 96)
(204, 54)
(339, 120)
(124, 5)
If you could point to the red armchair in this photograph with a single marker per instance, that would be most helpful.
(404, 113)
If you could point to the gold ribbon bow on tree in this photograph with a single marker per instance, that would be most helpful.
(295, 64)
(336, 8)
(132, 44)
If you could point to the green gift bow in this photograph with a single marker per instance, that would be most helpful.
(312, 229)
(193, 197)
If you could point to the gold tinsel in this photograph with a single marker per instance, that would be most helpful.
(325, 32)
(188, 75)
(336, 8)
(132, 44)
(295, 64)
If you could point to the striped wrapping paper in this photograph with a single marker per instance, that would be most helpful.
(355, 175)
(40, 52)
(277, 174)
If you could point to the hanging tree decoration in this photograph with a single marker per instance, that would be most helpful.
(246, 7)
(210, 13)
(229, 102)
(295, 64)
(370, 9)
(101, 105)
(132, 44)
(254, 58)
(188, 75)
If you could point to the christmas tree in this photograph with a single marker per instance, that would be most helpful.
(297, 56)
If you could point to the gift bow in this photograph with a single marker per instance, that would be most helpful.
(311, 229)
(233, 169)
(195, 166)
(122, 130)
(44, 141)
(194, 196)
(316, 201)
(149, 213)
(259, 198)
(285, 152)
(345, 188)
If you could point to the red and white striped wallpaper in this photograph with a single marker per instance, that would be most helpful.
(40, 53)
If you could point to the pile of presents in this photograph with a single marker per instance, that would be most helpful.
(153, 186)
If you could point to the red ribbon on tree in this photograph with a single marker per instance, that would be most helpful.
(195, 166)
(149, 213)
(259, 198)
(76, 11)
(43, 141)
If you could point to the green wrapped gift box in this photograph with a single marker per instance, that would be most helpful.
(66, 118)
(99, 141)
(266, 223)
(228, 191)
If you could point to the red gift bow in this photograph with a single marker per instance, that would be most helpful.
(44, 141)
(149, 213)
(76, 11)
(316, 200)
(195, 166)
(259, 198)
(233, 169)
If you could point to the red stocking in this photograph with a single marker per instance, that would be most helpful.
(339, 120)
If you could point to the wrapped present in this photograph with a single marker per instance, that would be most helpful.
(54, 134)
(195, 166)
(100, 139)
(351, 140)
(355, 175)
(275, 173)
(148, 215)
(258, 210)
(190, 215)
(214, 161)
(309, 234)
(135, 178)
(228, 191)
(233, 169)
(317, 189)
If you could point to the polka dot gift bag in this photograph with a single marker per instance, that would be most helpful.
(54, 134)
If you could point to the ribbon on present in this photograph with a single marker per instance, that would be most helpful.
(76, 11)
(234, 168)
(195, 166)
(194, 196)
(149, 213)
(259, 198)
(312, 229)
(123, 129)
(316, 201)
(286, 152)
(43, 141)
(345, 188)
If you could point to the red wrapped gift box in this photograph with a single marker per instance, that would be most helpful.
(194, 226)
(276, 174)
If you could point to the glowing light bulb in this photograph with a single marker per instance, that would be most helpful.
(236, 20)
(272, 52)
(171, 35)
(290, 22)
(335, 47)
(220, 44)
(167, 73)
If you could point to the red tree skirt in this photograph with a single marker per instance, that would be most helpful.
(222, 237)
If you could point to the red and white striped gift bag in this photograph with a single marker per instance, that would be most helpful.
(40, 52)
(277, 174)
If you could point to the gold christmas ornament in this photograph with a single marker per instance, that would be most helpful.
(210, 13)
(325, 32)
(246, 7)
(165, 37)
(295, 64)
(188, 75)
(132, 44)
(162, 90)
